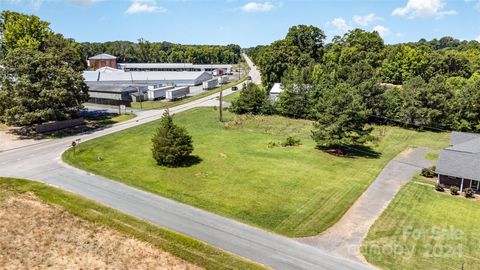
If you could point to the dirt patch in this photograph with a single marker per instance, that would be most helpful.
(10, 141)
(35, 235)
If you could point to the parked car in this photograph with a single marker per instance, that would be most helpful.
(234, 88)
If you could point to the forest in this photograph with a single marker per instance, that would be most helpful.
(357, 79)
(145, 51)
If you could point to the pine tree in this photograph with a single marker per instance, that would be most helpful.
(171, 144)
(342, 118)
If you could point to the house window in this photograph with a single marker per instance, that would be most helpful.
(475, 184)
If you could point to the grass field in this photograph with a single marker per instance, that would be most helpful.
(294, 191)
(181, 246)
(152, 105)
(406, 235)
(232, 96)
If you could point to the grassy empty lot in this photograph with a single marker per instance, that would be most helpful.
(295, 191)
(405, 236)
(107, 235)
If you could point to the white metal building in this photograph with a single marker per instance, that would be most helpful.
(147, 77)
(227, 69)
(275, 91)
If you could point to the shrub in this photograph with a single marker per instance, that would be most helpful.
(252, 99)
(454, 190)
(469, 193)
(440, 187)
(171, 144)
(429, 172)
(291, 141)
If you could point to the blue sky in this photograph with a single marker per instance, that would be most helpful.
(249, 23)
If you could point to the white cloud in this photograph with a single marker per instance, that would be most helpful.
(365, 20)
(423, 8)
(144, 6)
(340, 24)
(478, 38)
(257, 6)
(382, 30)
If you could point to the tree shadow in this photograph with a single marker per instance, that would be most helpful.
(353, 151)
(187, 162)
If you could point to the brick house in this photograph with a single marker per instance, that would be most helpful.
(459, 164)
(102, 60)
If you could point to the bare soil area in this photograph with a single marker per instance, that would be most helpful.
(36, 235)
(10, 141)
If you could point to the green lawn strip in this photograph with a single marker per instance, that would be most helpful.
(151, 105)
(432, 155)
(232, 96)
(294, 191)
(420, 209)
(182, 246)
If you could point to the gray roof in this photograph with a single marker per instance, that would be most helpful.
(114, 88)
(144, 76)
(462, 158)
(461, 137)
(103, 56)
(172, 65)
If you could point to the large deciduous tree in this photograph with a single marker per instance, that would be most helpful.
(40, 74)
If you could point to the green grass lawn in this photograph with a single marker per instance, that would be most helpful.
(232, 96)
(432, 155)
(181, 246)
(294, 191)
(152, 105)
(420, 209)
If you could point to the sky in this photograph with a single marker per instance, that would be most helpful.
(250, 23)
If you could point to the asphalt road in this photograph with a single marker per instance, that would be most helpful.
(42, 162)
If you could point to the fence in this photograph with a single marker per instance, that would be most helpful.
(49, 127)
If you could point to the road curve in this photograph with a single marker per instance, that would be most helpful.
(42, 162)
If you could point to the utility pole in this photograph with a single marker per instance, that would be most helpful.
(220, 105)
(141, 98)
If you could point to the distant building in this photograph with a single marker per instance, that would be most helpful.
(102, 60)
(217, 69)
(459, 164)
(114, 94)
(275, 91)
(147, 77)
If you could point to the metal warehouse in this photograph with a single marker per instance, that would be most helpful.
(147, 77)
(178, 67)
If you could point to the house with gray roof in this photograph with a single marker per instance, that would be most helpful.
(459, 164)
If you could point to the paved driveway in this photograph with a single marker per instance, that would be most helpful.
(346, 236)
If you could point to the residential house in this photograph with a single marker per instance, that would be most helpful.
(459, 164)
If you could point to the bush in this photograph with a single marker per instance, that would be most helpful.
(454, 190)
(469, 193)
(440, 187)
(291, 141)
(171, 144)
(429, 172)
(252, 99)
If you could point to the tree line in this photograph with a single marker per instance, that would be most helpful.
(145, 51)
(357, 79)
